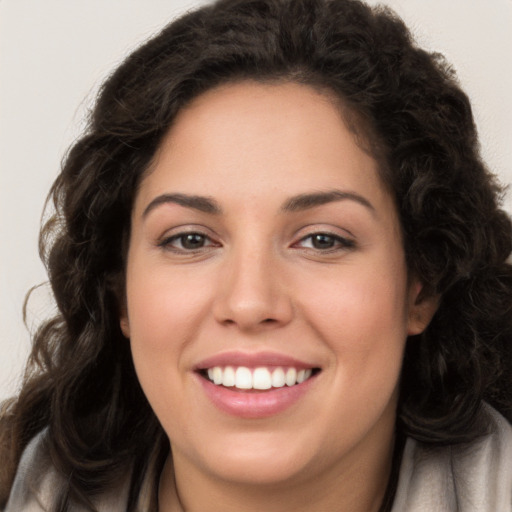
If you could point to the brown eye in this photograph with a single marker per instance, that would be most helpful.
(184, 242)
(323, 241)
(326, 242)
(192, 241)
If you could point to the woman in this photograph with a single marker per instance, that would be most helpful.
(280, 268)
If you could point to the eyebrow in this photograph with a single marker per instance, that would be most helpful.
(200, 203)
(296, 203)
(303, 202)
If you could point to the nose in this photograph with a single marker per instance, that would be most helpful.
(252, 293)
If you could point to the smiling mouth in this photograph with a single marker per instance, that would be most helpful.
(260, 379)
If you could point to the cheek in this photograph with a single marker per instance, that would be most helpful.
(359, 301)
(164, 312)
(362, 318)
(163, 306)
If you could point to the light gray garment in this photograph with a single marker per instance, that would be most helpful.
(468, 478)
(472, 478)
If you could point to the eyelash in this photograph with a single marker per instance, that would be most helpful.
(166, 243)
(338, 243)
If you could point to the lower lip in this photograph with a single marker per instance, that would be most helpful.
(254, 404)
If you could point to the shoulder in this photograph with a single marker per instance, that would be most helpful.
(36, 480)
(38, 484)
(475, 477)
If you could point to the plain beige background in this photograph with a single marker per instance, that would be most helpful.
(55, 53)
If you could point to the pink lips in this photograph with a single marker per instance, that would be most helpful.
(253, 404)
(252, 360)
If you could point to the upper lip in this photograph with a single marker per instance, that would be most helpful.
(253, 360)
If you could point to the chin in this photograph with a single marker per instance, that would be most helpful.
(260, 471)
(257, 459)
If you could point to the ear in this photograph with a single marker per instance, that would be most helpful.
(124, 323)
(116, 284)
(422, 307)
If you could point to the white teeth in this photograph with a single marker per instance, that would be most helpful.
(243, 378)
(291, 377)
(260, 378)
(217, 375)
(304, 375)
(278, 378)
(228, 377)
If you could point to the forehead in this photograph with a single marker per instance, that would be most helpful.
(247, 138)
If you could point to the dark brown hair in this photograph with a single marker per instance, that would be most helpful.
(80, 381)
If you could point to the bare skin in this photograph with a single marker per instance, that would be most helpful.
(263, 228)
(353, 491)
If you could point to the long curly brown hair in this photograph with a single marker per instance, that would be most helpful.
(80, 382)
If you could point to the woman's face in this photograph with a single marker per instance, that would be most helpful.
(265, 250)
